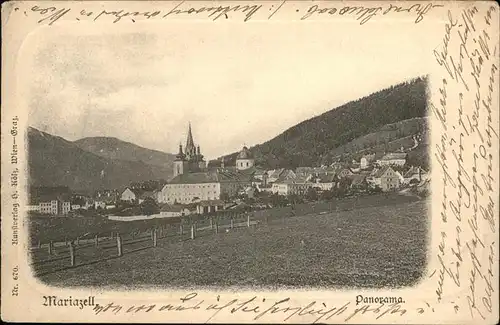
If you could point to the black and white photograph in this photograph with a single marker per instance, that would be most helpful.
(158, 160)
(213, 150)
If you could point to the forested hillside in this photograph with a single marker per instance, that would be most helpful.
(314, 141)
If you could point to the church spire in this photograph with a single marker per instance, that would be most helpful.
(190, 142)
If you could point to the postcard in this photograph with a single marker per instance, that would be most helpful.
(250, 162)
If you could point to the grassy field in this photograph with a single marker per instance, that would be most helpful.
(362, 247)
(45, 229)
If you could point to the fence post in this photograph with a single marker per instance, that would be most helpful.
(248, 220)
(39, 244)
(72, 254)
(78, 241)
(50, 247)
(119, 244)
(192, 231)
(96, 240)
(181, 229)
(155, 238)
(232, 222)
(111, 235)
(211, 223)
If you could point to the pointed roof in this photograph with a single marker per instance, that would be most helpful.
(189, 142)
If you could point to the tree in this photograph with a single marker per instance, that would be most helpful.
(311, 194)
(327, 195)
(278, 200)
(294, 199)
(224, 197)
(149, 207)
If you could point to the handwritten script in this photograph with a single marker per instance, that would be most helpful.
(241, 11)
(257, 308)
(467, 159)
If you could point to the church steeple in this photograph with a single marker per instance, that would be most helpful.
(190, 148)
(180, 155)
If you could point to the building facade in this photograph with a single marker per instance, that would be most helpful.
(389, 179)
(393, 159)
(128, 195)
(193, 182)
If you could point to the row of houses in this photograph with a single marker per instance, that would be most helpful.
(386, 178)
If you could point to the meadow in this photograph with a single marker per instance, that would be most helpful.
(372, 242)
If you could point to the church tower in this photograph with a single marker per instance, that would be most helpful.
(245, 159)
(191, 160)
(180, 163)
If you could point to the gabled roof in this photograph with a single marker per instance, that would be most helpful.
(147, 194)
(275, 173)
(394, 155)
(50, 197)
(213, 176)
(195, 178)
(171, 208)
(300, 179)
(326, 178)
(206, 203)
(381, 171)
(357, 179)
(414, 171)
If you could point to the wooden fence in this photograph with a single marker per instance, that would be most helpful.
(54, 255)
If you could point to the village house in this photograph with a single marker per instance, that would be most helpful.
(298, 186)
(143, 195)
(279, 175)
(129, 195)
(51, 204)
(209, 206)
(414, 173)
(387, 179)
(98, 204)
(175, 210)
(393, 159)
(358, 181)
(325, 182)
(345, 172)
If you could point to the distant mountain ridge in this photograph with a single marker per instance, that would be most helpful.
(112, 148)
(55, 161)
(314, 142)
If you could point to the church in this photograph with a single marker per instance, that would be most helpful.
(192, 160)
(192, 181)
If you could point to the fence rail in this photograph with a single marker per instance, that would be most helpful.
(51, 255)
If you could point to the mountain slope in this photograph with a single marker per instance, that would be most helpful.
(161, 163)
(313, 142)
(54, 161)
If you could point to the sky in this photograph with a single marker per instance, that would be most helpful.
(237, 83)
